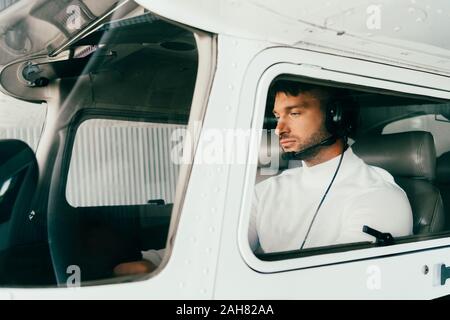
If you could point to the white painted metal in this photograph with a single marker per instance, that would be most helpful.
(401, 31)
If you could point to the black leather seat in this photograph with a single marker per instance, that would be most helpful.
(443, 183)
(18, 181)
(24, 253)
(411, 158)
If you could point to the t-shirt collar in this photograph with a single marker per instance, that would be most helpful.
(325, 170)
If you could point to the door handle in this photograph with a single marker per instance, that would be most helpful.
(445, 273)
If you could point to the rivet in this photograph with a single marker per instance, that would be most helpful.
(425, 269)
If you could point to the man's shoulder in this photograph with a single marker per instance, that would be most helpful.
(374, 181)
(381, 194)
(378, 174)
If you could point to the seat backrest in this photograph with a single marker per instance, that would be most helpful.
(411, 159)
(443, 183)
(18, 181)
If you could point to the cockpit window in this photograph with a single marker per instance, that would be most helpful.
(120, 95)
(348, 168)
(122, 178)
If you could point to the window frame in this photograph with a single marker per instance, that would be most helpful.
(335, 69)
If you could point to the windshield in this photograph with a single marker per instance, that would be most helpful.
(116, 108)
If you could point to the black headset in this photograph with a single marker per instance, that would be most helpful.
(340, 118)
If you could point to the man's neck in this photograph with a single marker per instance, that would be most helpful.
(326, 153)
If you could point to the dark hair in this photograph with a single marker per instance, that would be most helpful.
(294, 88)
(327, 96)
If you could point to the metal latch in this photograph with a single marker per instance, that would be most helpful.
(383, 239)
(445, 273)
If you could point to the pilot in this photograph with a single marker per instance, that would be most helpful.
(334, 194)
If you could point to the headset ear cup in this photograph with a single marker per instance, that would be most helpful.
(333, 118)
(337, 118)
(342, 115)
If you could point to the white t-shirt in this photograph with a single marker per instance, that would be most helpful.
(283, 206)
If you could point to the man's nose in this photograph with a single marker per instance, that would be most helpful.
(281, 127)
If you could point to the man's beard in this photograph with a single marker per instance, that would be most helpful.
(312, 141)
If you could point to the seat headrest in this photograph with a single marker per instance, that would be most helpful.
(270, 153)
(443, 168)
(407, 154)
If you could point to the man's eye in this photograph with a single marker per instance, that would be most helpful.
(294, 114)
